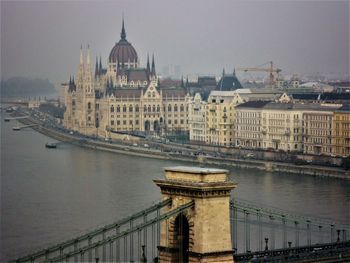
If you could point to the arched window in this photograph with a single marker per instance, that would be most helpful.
(175, 107)
(158, 108)
(89, 106)
(130, 108)
(137, 108)
(73, 102)
(181, 107)
(124, 108)
(153, 94)
(145, 108)
(118, 108)
(169, 107)
(154, 108)
(149, 108)
(112, 108)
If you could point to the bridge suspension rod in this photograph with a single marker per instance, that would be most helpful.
(90, 235)
(124, 233)
(286, 215)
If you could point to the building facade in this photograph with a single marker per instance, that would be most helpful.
(197, 119)
(341, 131)
(318, 130)
(122, 97)
(282, 127)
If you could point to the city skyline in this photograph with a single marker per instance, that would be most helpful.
(42, 39)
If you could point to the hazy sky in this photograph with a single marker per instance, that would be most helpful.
(43, 38)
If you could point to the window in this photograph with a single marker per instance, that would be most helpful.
(118, 122)
(112, 122)
(149, 108)
(124, 108)
(169, 107)
(158, 108)
(137, 122)
(118, 108)
(145, 108)
(169, 121)
(130, 108)
(175, 107)
(154, 108)
(182, 107)
(124, 122)
(112, 108)
(130, 122)
(137, 108)
(89, 106)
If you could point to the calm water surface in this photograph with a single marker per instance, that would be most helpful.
(49, 195)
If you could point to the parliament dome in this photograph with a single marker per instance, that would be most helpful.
(123, 51)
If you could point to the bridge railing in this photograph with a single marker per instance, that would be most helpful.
(263, 228)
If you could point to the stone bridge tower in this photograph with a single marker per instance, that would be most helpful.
(201, 233)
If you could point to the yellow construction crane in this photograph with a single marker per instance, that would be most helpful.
(271, 70)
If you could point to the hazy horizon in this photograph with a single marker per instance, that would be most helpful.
(42, 39)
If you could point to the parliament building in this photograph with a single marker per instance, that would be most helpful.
(122, 96)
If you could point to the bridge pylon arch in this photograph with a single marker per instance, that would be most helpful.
(201, 233)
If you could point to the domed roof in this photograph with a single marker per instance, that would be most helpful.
(123, 51)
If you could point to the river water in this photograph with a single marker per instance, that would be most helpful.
(49, 195)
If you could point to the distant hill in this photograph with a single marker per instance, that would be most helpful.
(25, 87)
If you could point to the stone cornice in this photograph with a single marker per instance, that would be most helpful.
(195, 189)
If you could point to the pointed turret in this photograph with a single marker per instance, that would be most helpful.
(70, 80)
(100, 67)
(182, 81)
(234, 71)
(223, 72)
(81, 55)
(123, 33)
(96, 67)
(148, 66)
(153, 73)
(88, 55)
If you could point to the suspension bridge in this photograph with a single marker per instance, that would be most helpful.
(197, 221)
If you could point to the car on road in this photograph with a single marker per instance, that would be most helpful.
(250, 155)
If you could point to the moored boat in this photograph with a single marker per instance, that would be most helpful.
(51, 145)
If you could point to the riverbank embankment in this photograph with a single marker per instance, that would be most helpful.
(129, 149)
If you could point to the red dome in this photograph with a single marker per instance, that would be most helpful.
(123, 52)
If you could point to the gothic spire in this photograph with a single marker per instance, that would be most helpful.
(100, 67)
(96, 67)
(148, 67)
(223, 72)
(153, 66)
(70, 80)
(88, 55)
(123, 34)
(234, 71)
(81, 55)
(182, 81)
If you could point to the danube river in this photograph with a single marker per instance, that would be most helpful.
(49, 195)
